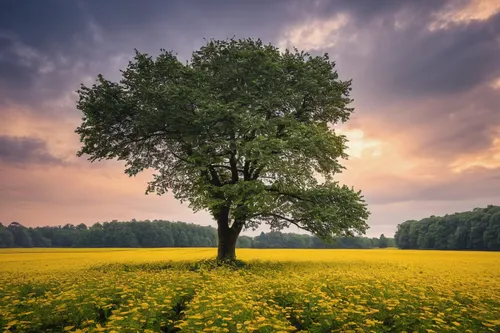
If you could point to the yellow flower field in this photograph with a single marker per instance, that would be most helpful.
(173, 290)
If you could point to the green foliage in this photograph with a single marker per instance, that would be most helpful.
(478, 229)
(6, 237)
(277, 240)
(157, 233)
(38, 239)
(242, 130)
(383, 242)
(20, 235)
(111, 234)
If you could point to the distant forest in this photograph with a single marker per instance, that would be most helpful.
(478, 229)
(162, 234)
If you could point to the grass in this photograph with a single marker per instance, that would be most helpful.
(173, 290)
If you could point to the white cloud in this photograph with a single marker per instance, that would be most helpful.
(315, 33)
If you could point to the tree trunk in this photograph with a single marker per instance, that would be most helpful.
(227, 236)
(227, 244)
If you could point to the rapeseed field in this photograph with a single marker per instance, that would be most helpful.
(181, 290)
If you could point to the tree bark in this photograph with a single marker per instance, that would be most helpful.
(227, 236)
(227, 244)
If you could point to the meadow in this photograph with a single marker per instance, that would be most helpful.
(181, 290)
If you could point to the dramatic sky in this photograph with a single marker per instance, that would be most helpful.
(424, 139)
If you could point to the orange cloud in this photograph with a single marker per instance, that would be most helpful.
(58, 133)
(488, 158)
(383, 165)
(495, 84)
(473, 10)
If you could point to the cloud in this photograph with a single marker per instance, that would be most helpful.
(389, 50)
(427, 155)
(488, 158)
(441, 149)
(315, 34)
(447, 61)
(450, 126)
(95, 34)
(27, 75)
(462, 12)
(22, 151)
(495, 84)
(55, 128)
(396, 176)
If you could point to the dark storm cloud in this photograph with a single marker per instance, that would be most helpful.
(22, 151)
(14, 77)
(450, 60)
(397, 55)
(15, 62)
(70, 39)
(77, 38)
(43, 25)
(36, 41)
(22, 67)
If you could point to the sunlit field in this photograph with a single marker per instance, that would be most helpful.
(172, 290)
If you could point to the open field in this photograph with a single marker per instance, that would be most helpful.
(167, 290)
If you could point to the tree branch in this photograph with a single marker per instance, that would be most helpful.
(294, 222)
(292, 195)
(177, 156)
(233, 161)
(256, 172)
(215, 179)
(301, 110)
(246, 170)
(225, 167)
(237, 226)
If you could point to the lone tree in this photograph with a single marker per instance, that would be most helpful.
(241, 130)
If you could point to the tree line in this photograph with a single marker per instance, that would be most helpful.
(160, 233)
(278, 239)
(478, 229)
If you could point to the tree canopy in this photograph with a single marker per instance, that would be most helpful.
(242, 130)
